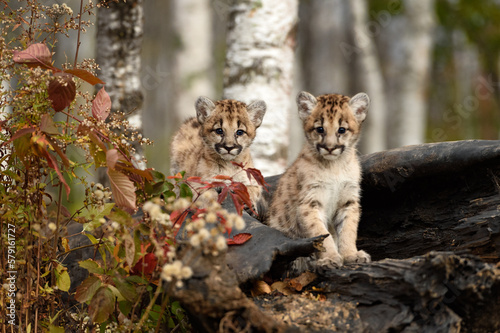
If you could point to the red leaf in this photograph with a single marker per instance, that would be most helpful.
(257, 175)
(223, 177)
(62, 91)
(22, 132)
(85, 75)
(112, 157)
(239, 239)
(238, 205)
(53, 164)
(35, 55)
(59, 151)
(239, 165)
(122, 187)
(195, 180)
(123, 190)
(146, 174)
(177, 176)
(198, 213)
(178, 216)
(214, 184)
(241, 194)
(101, 105)
(146, 265)
(102, 305)
(223, 195)
(87, 289)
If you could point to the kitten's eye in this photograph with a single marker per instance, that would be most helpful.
(240, 132)
(320, 130)
(219, 131)
(342, 130)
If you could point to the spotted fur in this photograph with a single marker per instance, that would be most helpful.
(319, 193)
(222, 132)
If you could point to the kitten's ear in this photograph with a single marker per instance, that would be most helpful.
(359, 105)
(305, 103)
(256, 111)
(204, 107)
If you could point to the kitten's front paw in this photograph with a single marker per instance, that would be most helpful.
(357, 258)
(327, 264)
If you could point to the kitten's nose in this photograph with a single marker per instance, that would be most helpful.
(229, 148)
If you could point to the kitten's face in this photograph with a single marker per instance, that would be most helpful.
(229, 126)
(332, 123)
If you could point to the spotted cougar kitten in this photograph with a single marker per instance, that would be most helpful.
(320, 192)
(221, 133)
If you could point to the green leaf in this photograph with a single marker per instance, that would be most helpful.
(122, 217)
(185, 191)
(125, 288)
(177, 310)
(160, 188)
(101, 250)
(136, 279)
(87, 289)
(92, 266)
(125, 307)
(94, 215)
(102, 305)
(63, 282)
(155, 312)
(157, 176)
(56, 329)
(116, 293)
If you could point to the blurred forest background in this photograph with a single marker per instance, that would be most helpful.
(431, 67)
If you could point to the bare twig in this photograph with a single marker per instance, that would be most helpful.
(79, 31)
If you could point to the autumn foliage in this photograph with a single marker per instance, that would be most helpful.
(55, 135)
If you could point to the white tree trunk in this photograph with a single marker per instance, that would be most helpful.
(416, 40)
(259, 65)
(192, 23)
(370, 78)
(118, 53)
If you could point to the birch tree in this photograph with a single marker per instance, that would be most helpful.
(259, 65)
(193, 58)
(119, 41)
(415, 37)
(370, 77)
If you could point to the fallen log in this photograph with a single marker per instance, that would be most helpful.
(416, 201)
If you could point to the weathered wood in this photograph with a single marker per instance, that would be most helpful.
(438, 292)
(442, 196)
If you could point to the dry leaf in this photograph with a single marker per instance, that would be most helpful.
(260, 288)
